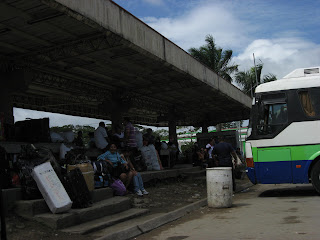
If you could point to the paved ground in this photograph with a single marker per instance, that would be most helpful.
(165, 196)
(261, 212)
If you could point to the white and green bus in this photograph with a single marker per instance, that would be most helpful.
(283, 143)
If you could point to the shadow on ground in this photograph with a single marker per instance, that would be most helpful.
(295, 191)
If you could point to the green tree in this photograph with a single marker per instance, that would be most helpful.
(216, 58)
(75, 129)
(233, 124)
(162, 133)
(248, 81)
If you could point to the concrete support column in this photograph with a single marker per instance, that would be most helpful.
(12, 82)
(116, 118)
(219, 127)
(204, 127)
(117, 108)
(173, 128)
(6, 106)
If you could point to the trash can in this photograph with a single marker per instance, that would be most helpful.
(219, 187)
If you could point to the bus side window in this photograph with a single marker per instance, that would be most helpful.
(307, 104)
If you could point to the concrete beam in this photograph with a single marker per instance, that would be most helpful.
(15, 81)
(107, 15)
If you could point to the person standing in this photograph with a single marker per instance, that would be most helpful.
(210, 147)
(78, 141)
(225, 152)
(149, 136)
(101, 137)
(129, 134)
(174, 150)
(118, 136)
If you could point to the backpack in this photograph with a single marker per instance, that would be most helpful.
(119, 189)
(101, 174)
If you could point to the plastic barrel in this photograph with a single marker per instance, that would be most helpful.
(219, 187)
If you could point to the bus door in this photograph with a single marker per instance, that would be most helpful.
(273, 161)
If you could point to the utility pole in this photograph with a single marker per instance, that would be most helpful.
(255, 70)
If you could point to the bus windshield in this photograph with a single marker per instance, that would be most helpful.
(271, 117)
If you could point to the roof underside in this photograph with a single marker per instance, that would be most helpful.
(82, 69)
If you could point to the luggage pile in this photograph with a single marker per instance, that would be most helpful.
(62, 187)
(78, 178)
(27, 160)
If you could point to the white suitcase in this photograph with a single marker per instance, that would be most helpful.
(51, 188)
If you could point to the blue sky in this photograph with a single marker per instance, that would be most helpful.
(283, 34)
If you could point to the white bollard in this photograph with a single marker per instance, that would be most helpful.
(219, 187)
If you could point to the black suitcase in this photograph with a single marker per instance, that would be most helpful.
(77, 189)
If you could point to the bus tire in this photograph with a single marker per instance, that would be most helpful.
(315, 176)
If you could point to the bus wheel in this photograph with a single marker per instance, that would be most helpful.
(315, 176)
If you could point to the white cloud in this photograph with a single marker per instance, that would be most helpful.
(54, 118)
(190, 29)
(281, 53)
(154, 2)
(280, 56)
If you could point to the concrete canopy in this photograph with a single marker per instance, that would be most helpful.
(93, 58)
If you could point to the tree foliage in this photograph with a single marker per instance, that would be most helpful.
(248, 81)
(216, 58)
(233, 124)
(75, 129)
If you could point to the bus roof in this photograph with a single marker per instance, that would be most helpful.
(299, 78)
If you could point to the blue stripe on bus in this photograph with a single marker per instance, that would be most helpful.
(251, 175)
(279, 172)
(300, 174)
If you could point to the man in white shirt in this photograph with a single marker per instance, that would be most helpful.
(210, 148)
(101, 136)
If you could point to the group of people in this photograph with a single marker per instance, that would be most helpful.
(220, 154)
(127, 172)
(129, 151)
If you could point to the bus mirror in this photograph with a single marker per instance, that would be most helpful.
(258, 100)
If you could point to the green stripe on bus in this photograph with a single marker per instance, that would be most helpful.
(287, 153)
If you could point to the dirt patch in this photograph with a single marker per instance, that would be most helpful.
(169, 195)
(164, 196)
(21, 229)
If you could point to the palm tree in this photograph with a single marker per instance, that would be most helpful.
(248, 81)
(215, 58)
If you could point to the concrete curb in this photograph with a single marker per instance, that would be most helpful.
(244, 187)
(171, 216)
(158, 221)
